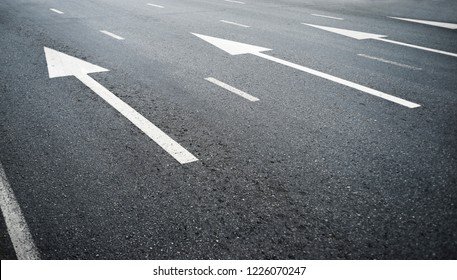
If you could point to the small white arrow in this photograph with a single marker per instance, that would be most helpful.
(235, 48)
(62, 65)
(362, 36)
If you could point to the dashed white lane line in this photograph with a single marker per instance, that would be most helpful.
(154, 5)
(324, 16)
(233, 1)
(428, 22)
(389, 62)
(232, 89)
(112, 35)
(234, 23)
(57, 11)
(17, 227)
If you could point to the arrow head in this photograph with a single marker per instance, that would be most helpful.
(232, 47)
(348, 33)
(61, 65)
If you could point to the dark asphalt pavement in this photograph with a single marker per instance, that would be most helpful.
(313, 170)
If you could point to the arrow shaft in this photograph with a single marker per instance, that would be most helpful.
(416, 47)
(157, 135)
(350, 84)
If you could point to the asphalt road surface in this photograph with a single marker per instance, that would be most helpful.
(325, 146)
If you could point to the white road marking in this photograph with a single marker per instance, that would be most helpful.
(231, 47)
(416, 47)
(234, 23)
(61, 65)
(17, 227)
(156, 134)
(232, 1)
(236, 48)
(428, 22)
(347, 83)
(56, 11)
(363, 35)
(348, 33)
(337, 18)
(232, 89)
(154, 5)
(389, 62)
(112, 35)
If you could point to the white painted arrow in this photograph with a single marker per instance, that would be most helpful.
(429, 22)
(362, 36)
(235, 48)
(62, 65)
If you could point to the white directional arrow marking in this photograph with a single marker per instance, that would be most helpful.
(362, 36)
(62, 65)
(235, 48)
(428, 22)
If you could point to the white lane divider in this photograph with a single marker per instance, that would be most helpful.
(17, 227)
(324, 16)
(232, 89)
(234, 23)
(57, 11)
(112, 35)
(389, 62)
(154, 5)
(233, 1)
(62, 65)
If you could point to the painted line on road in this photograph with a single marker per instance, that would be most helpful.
(337, 18)
(329, 77)
(17, 227)
(389, 62)
(232, 89)
(233, 1)
(363, 36)
(112, 35)
(57, 11)
(234, 23)
(156, 134)
(154, 5)
(428, 22)
(416, 47)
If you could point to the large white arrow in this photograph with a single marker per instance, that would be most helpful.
(362, 36)
(62, 65)
(235, 48)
